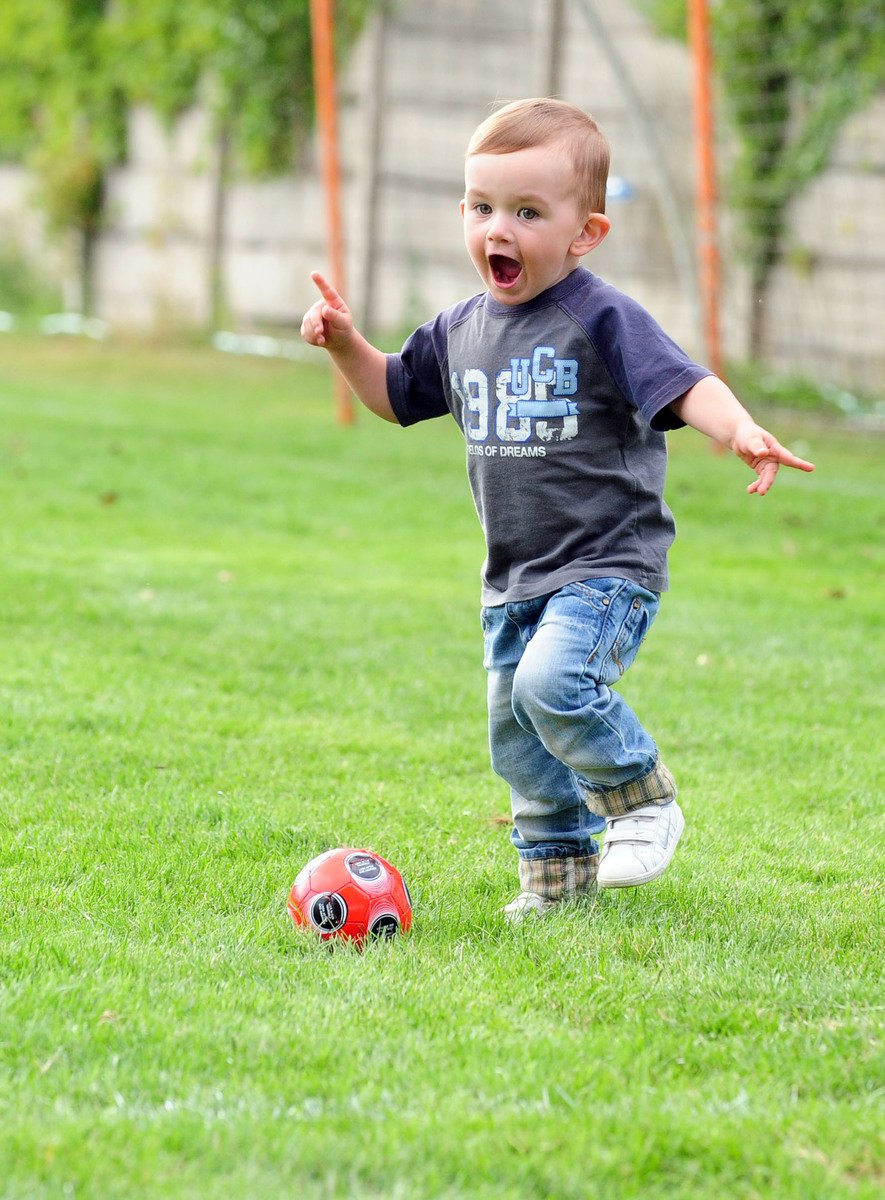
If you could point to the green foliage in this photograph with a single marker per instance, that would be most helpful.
(262, 78)
(668, 16)
(254, 59)
(61, 107)
(26, 46)
(159, 48)
(791, 72)
(71, 68)
(24, 291)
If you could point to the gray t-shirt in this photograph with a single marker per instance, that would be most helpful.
(562, 402)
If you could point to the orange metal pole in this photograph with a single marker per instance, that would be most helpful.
(322, 27)
(705, 154)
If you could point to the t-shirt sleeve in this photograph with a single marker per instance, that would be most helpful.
(644, 362)
(415, 376)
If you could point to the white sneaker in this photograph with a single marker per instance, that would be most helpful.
(528, 904)
(638, 847)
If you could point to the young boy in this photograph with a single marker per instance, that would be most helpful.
(563, 388)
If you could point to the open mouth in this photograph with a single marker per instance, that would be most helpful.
(505, 271)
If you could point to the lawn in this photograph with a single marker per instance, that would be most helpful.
(235, 634)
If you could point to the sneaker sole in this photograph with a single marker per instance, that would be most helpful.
(648, 876)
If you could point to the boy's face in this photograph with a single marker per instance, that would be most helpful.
(522, 224)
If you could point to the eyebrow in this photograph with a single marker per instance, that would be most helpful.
(520, 198)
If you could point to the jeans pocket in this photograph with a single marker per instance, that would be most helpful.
(642, 608)
(600, 594)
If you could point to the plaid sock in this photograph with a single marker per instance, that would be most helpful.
(560, 877)
(657, 787)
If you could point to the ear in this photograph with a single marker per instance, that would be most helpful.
(461, 206)
(595, 229)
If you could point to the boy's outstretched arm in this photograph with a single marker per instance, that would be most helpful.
(712, 408)
(329, 323)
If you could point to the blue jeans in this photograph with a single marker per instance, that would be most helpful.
(571, 749)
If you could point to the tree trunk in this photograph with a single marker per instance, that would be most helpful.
(217, 230)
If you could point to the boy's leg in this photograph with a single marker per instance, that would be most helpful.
(552, 826)
(585, 640)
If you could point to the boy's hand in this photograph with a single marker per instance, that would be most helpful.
(712, 408)
(328, 322)
(761, 451)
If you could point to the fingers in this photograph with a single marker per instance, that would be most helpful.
(791, 460)
(313, 328)
(760, 454)
(327, 316)
(767, 467)
(764, 454)
(767, 473)
(321, 320)
(327, 291)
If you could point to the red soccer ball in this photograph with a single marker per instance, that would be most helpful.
(351, 894)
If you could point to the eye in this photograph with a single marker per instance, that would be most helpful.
(528, 214)
(482, 208)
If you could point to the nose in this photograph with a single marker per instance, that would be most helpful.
(499, 228)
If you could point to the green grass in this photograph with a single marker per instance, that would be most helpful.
(233, 635)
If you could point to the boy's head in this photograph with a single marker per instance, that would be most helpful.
(535, 176)
(547, 122)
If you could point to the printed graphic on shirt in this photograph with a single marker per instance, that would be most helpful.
(528, 402)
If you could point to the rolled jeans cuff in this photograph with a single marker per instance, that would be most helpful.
(656, 787)
(559, 877)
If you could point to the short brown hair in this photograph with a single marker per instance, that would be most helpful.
(538, 122)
